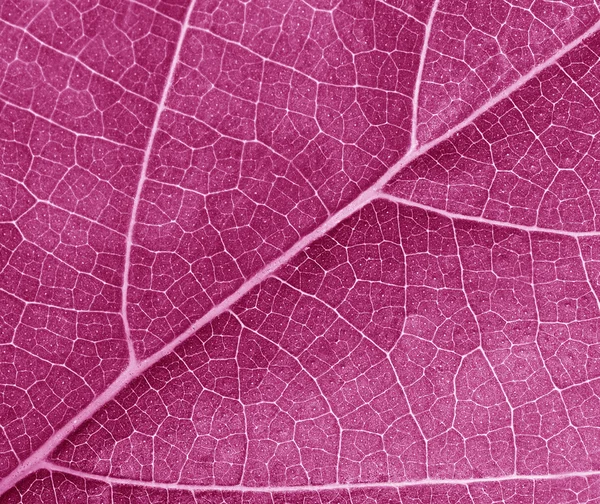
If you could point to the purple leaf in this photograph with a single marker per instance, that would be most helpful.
(299, 251)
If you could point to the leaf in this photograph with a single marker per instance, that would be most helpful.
(283, 251)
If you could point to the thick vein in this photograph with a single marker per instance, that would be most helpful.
(142, 179)
(483, 220)
(316, 488)
(419, 79)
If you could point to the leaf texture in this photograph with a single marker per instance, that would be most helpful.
(299, 251)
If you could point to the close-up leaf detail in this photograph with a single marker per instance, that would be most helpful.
(299, 251)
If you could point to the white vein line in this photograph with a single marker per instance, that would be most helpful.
(296, 359)
(155, 11)
(482, 351)
(541, 357)
(396, 347)
(483, 220)
(291, 68)
(5, 102)
(47, 201)
(584, 264)
(387, 358)
(75, 58)
(54, 487)
(45, 304)
(140, 186)
(399, 9)
(419, 79)
(312, 488)
(239, 398)
(363, 337)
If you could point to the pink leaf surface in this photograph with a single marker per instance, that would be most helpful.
(299, 251)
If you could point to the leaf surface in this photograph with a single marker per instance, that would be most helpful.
(299, 251)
